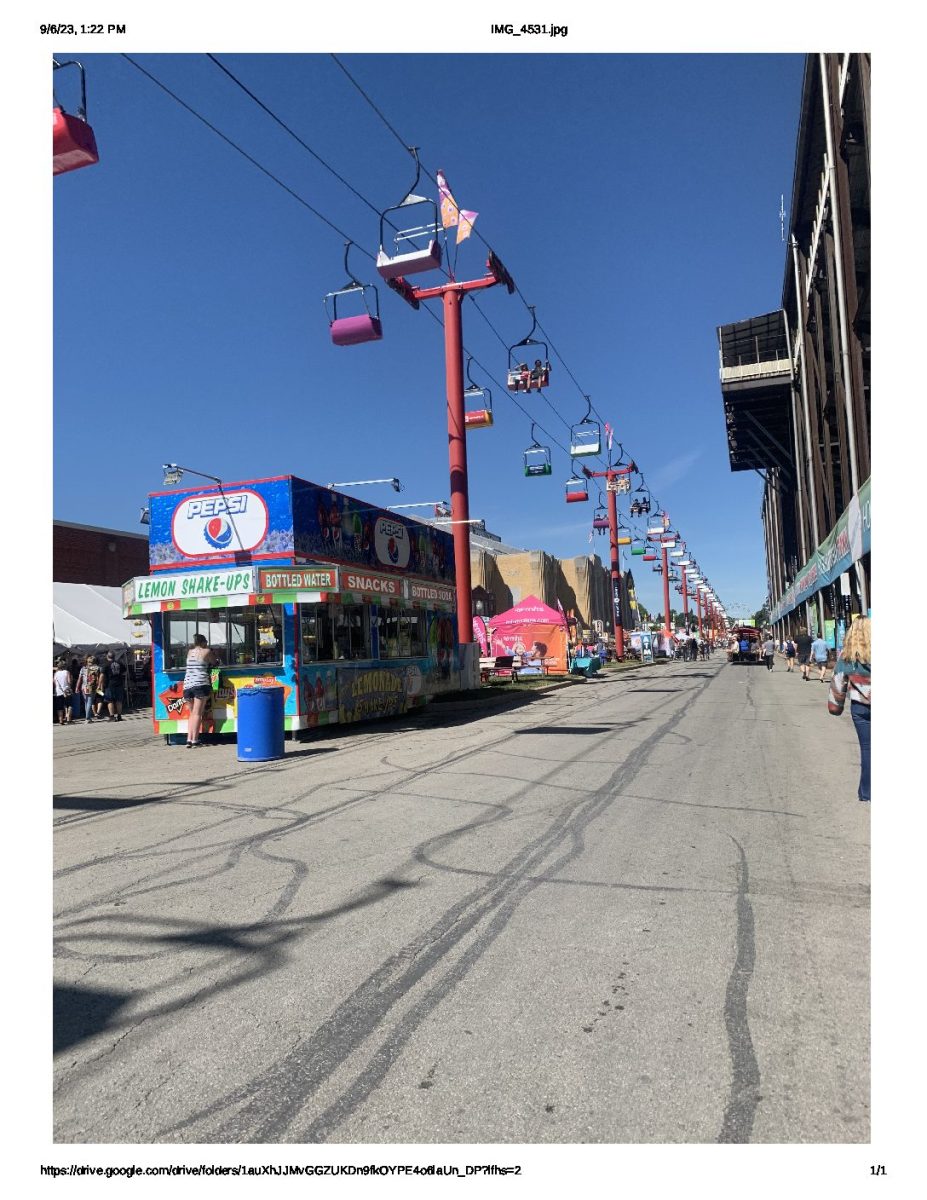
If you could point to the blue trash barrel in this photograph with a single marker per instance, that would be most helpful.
(260, 724)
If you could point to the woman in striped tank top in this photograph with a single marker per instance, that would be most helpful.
(197, 687)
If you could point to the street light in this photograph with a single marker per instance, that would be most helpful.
(174, 473)
(435, 504)
(394, 483)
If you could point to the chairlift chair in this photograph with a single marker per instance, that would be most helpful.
(600, 520)
(417, 248)
(650, 557)
(477, 404)
(359, 327)
(522, 377)
(585, 437)
(577, 490)
(537, 458)
(73, 143)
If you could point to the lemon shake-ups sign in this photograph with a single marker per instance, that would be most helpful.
(197, 585)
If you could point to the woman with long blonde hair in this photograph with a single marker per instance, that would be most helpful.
(853, 678)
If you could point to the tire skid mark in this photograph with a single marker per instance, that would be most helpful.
(271, 1101)
(744, 1096)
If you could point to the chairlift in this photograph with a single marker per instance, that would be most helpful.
(522, 377)
(651, 557)
(600, 520)
(586, 437)
(360, 327)
(73, 143)
(638, 547)
(658, 567)
(417, 248)
(477, 404)
(577, 490)
(537, 457)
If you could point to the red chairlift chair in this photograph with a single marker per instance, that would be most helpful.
(477, 404)
(577, 490)
(73, 143)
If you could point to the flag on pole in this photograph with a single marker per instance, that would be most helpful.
(449, 209)
(451, 214)
(608, 435)
(465, 224)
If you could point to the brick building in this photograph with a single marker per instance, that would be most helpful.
(90, 554)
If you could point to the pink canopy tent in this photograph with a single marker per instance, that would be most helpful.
(534, 630)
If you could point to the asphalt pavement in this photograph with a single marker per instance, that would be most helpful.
(633, 910)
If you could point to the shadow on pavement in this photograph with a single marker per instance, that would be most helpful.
(102, 803)
(79, 1013)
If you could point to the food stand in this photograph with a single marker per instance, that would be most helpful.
(349, 608)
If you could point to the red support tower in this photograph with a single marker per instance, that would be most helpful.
(451, 294)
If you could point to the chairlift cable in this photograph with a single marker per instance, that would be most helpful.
(341, 233)
(244, 153)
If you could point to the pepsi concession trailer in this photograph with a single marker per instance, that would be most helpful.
(348, 608)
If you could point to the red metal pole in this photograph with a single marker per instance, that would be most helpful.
(685, 598)
(698, 598)
(457, 457)
(616, 571)
(666, 602)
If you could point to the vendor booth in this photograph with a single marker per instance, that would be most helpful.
(348, 608)
(535, 634)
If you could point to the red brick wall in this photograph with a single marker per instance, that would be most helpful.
(105, 557)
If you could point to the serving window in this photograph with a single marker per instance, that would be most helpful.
(402, 634)
(239, 636)
(329, 632)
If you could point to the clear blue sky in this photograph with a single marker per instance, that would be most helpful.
(633, 198)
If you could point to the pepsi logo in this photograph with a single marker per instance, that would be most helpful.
(391, 542)
(218, 532)
(210, 523)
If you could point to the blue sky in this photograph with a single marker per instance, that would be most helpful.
(634, 199)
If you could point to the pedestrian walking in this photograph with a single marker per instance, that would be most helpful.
(61, 687)
(197, 687)
(790, 652)
(769, 650)
(853, 677)
(74, 669)
(819, 654)
(87, 686)
(803, 650)
(114, 685)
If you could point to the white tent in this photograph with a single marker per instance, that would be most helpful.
(87, 615)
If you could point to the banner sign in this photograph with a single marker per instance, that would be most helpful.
(334, 528)
(298, 579)
(846, 544)
(236, 581)
(422, 592)
(368, 584)
(290, 522)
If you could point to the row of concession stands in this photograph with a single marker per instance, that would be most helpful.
(350, 609)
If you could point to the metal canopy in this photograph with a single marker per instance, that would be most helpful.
(756, 388)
